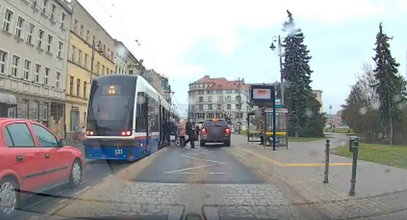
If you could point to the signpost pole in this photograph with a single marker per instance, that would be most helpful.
(274, 122)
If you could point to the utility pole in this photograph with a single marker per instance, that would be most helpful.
(239, 86)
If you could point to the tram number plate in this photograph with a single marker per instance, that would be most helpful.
(118, 151)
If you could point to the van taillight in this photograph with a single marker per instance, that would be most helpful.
(227, 131)
(89, 133)
(203, 131)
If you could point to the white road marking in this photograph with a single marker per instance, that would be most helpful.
(199, 153)
(82, 190)
(63, 200)
(196, 158)
(191, 168)
(218, 173)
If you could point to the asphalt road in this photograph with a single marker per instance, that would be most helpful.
(207, 165)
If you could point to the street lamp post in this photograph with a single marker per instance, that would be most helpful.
(239, 86)
(277, 40)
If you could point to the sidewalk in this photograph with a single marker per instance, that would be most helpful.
(380, 190)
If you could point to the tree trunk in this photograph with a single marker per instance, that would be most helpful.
(297, 133)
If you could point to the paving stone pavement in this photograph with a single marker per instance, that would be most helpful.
(334, 202)
(118, 198)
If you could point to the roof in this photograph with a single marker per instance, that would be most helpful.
(221, 83)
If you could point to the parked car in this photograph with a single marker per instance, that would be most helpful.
(33, 159)
(215, 131)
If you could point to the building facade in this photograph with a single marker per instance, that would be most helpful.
(125, 61)
(318, 96)
(91, 54)
(159, 82)
(34, 41)
(218, 98)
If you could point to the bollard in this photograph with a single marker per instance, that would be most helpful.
(355, 149)
(327, 145)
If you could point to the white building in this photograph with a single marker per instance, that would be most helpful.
(125, 61)
(33, 57)
(218, 98)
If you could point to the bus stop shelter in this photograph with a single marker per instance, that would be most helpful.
(260, 126)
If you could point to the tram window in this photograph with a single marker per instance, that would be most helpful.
(141, 119)
(153, 108)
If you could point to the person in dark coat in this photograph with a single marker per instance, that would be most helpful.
(190, 129)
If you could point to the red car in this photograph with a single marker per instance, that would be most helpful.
(33, 159)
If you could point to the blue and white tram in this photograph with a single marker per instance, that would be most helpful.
(126, 117)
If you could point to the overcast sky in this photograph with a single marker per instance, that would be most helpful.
(186, 39)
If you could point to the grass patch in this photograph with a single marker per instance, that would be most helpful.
(392, 155)
(305, 139)
(243, 132)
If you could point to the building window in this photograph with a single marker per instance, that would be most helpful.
(87, 36)
(103, 69)
(210, 107)
(27, 69)
(63, 16)
(80, 57)
(219, 106)
(97, 67)
(81, 31)
(30, 33)
(15, 65)
(45, 111)
(78, 87)
(7, 20)
(45, 5)
(19, 26)
(40, 36)
(238, 106)
(200, 99)
(49, 43)
(46, 75)
(209, 98)
(3, 60)
(36, 110)
(58, 79)
(71, 85)
(85, 89)
(238, 98)
(86, 61)
(60, 49)
(200, 107)
(37, 72)
(27, 108)
(53, 9)
(73, 54)
(229, 107)
(228, 98)
(131, 72)
(75, 25)
(229, 91)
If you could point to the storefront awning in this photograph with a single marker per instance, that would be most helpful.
(8, 99)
